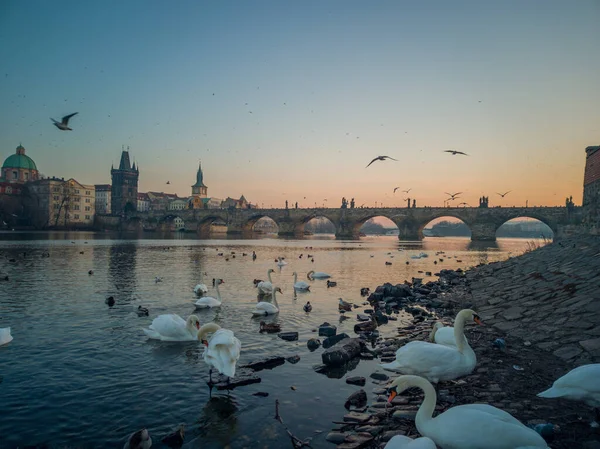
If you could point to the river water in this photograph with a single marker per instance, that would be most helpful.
(82, 374)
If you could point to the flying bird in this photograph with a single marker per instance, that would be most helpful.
(63, 125)
(463, 204)
(381, 158)
(454, 152)
(406, 191)
(453, 195)
(396, 188)
(504, 194)
(168, 182)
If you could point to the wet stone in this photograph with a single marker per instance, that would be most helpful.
(336, 437)
(357, 399)
(327, 330)
(293, 359)
(330, 341)
(356, 417)
(405, 414)
(267, 363)
(363, 317)
(242, 377)
(379, 376)
(356, 441)
(313, 344)
(356, 380)
(288, 336)
(388, 435)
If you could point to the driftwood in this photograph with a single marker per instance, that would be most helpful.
(296, 442)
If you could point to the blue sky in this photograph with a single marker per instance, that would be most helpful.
(286, 100)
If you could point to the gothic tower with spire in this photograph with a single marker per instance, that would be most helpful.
(199, 190)
(124, 188)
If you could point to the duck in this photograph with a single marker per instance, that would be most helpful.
(142, 311)
(471, 426)
(281, 262)
(222, 349)
(171, 327)
(302, 285)
(388, 263)
(344, 305)
(436, 362)
(110, 301)
(270, 327)
(266, 287)
(331, 284)
(579, 384)
(157, 279)
(364, 291)
(176, 438)
(307, 307)
(138, 440)
(268, 308)
(404, 442)
(207, 302)
(5, 336)
(317, 275)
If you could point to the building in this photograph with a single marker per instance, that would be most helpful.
(19, 168)
(231, 203)
(160, 200)
(178, 204)
(61, 203)
(124, 186)
(9, 188)
(103, 198)
(199, 191)
(591, 188)
(143, 202)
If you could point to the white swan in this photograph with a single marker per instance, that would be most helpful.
(200, 290)
(472, 426)
(443, 335)
(222, 349)
(317, 275)
(266, 287)
(302, 286)
(579, 384)
(268, 308)
(5, 336)
(402, 442)
(438, 362)
(208, 301)
(281, 262)
(138, 440)
(173, 328)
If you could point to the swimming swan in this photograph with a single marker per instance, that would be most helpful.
(317, 275)
(266, 287)
(222, 349)
(172, 328)
(267, 308)
(471, 426)
(438, 362)
(208, 301)
(302, 285)
(5, 336)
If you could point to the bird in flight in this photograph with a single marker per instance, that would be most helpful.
(381, 158)
(406, 191)
(504, 194)
(168, 182)
(454, 152)
(396, 188)
(463, 204)
(63, 125)
(453, 196)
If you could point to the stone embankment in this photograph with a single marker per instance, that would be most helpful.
(549, 297)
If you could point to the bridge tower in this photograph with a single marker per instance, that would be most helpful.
(199, 190)
(124, 187)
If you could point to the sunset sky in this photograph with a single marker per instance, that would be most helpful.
(285, 100)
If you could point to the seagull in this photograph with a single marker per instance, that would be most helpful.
(504, 194)
(453, 195)
(381, 158)
(454, 152)
(168, 182)
(63, 125)
(396, 188)
(406, 191)
(463, 204)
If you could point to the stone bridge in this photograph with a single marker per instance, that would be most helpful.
(483, 222)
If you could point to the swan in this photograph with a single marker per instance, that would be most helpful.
(402, 442)
(317, 275)
(438, 362)
(267, 308)
(208, 301)
(5, 336)
(222, 349)
(302, 286)
(172, 328)
(266, 287)
(139, 440)
(281, 262)
(200, 290)
(579, 384)
(471, 426)
(443, 335)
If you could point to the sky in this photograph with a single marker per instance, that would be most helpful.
(291, 100)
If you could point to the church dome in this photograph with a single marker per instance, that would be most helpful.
(19, 160)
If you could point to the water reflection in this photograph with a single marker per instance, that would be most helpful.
(121, 269)
(217, 423)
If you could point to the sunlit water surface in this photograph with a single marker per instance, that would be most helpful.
(82, 374)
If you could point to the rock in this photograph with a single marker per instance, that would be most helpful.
(356, 441)
(363, 317)
(356, 417)
(341, 353)
(267, 363)
(356, 380)
(330, 341)
(293, 359)
(242, 377)
(405, 414)
(373, 430)
(327, 330)
(379, 376)
(288, 336)
(261, 394)
(313, 344)
(336, 437)
(366, 356)
(357, 399)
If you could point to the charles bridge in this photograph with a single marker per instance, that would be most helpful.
(483, 222)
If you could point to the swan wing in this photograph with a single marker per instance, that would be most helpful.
(225, 351)
(301, 285)
(170, 328)
(207, 301)
(265, 287)
(404, 442)
(5, 336)
(445, 336)
(480, 426)
(200, 289)
(580, 383)
(265, 307)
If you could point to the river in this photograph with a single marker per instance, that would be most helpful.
(82, 374)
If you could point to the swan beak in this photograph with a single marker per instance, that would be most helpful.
(393, 394)
(478, 320)
(205, 343)
(198, 326)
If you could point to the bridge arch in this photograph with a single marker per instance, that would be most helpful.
(204, 224)
(247, 225)
(447, 227)
(171, 222)
(548, 229)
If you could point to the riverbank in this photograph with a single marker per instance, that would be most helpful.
(542, 304)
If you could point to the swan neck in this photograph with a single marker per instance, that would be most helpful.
(218, 293)
(295, 278)
(425, 412)
(269, 276)
(275, 297)
(459, 332)
(209, 328)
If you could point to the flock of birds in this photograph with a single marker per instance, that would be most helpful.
(448, 356)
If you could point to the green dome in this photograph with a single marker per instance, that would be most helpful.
(19, 160)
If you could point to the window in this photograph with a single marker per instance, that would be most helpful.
(56, 206)
(76, 217)
(55, 197)
(87, 208)
(26, 176)
(55, 189)
(8, 189)
(15, 175)
(76, 207)
(87, 192)
(87, 200)
(87, 217)
(77, 191)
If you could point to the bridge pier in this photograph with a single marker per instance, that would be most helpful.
(483, 232)
(288, 228)
(347, 230)
(409, 230)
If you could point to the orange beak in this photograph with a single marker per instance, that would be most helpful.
(205, 343)
(393, 394)
(198, 326)
(478, 320)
